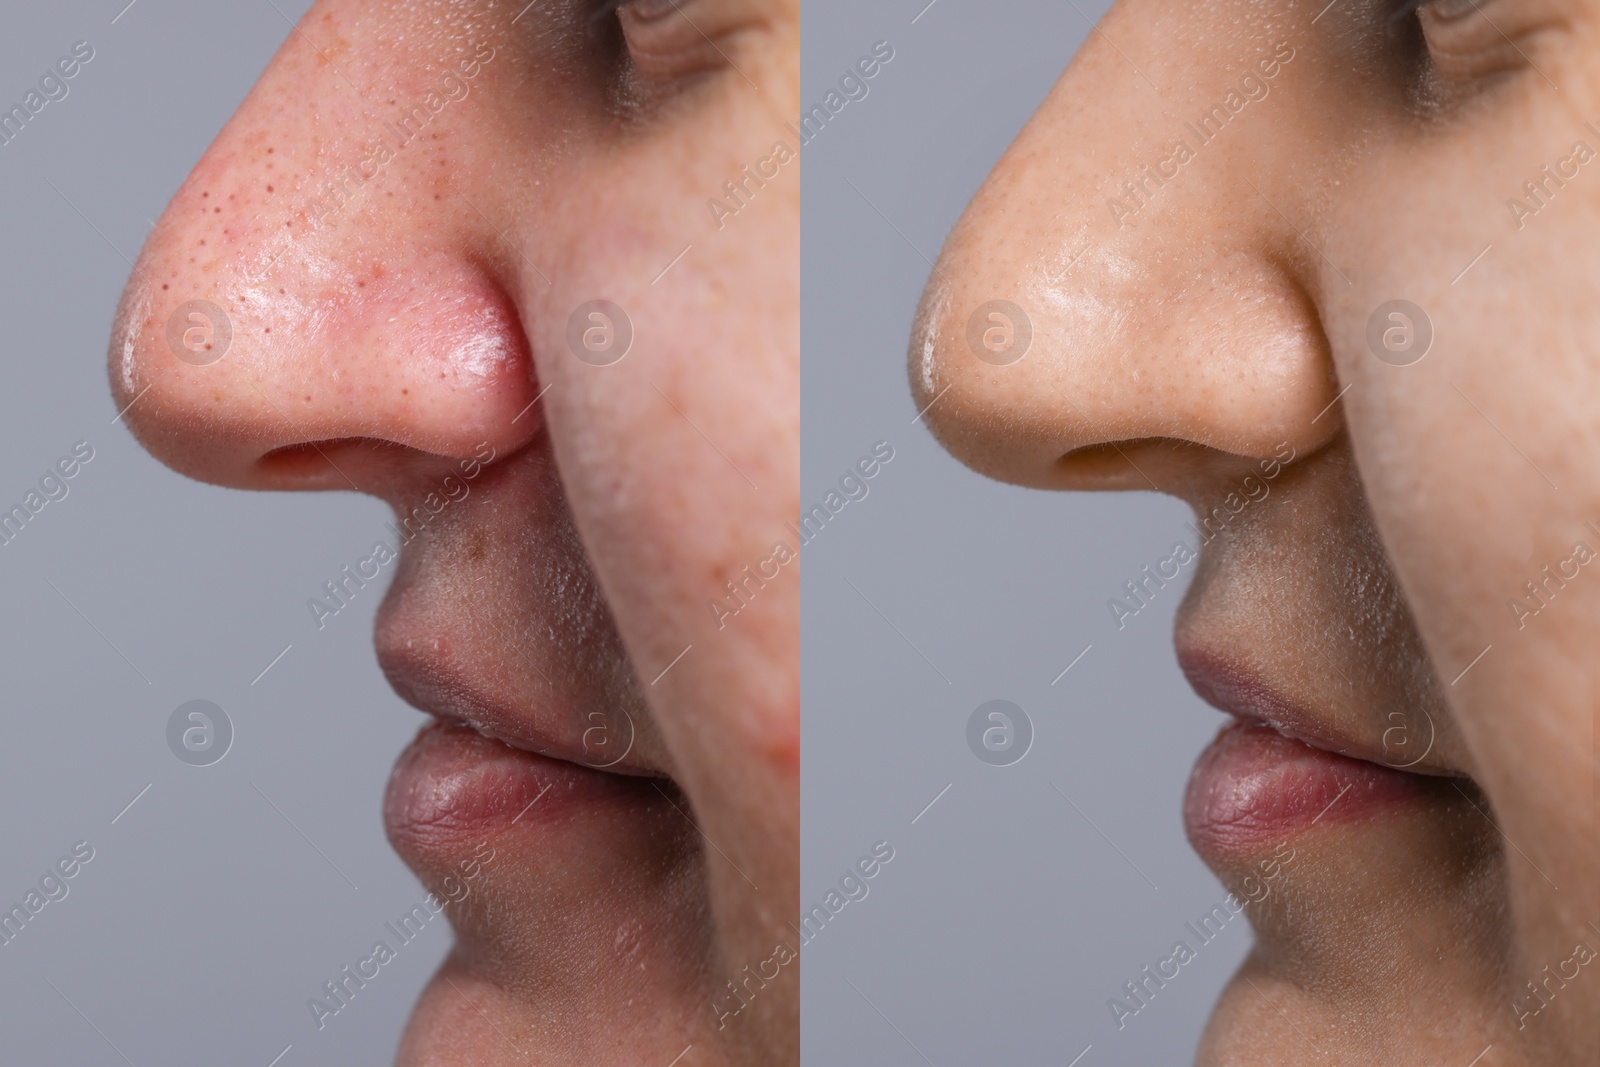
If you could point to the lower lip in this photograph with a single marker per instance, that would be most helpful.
(454, 784)
(1255, 788)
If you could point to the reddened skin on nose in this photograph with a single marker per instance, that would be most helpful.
(420, 347)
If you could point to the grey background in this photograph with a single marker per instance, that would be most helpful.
(205, 919)
(1007, 918)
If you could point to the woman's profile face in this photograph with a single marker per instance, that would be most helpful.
(462, 255)
(1326, 272)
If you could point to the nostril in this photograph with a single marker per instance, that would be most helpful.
(1111, 457)
(1163, 464)
(310, 458)
(374, 465)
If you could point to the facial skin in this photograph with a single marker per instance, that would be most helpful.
(386, 334)
(1183, 332)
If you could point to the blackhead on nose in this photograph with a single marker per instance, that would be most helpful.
(305, 307)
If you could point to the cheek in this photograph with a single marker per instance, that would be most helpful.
(1461, 436)
(680, 459)
(699, 417)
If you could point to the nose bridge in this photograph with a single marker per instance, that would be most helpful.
(296, 292)
(1117, 279)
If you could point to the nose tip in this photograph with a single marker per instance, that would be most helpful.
(1057, 371)
(314, 295)
(1004, 359)
(248, 342)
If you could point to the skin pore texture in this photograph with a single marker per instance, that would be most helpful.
(617, 766)
(1188, 326)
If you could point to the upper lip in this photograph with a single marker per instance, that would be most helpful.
(444, 690)
(1246, 694)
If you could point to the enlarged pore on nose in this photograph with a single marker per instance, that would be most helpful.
(342, 357)
(1066, 383)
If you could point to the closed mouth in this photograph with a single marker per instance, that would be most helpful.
(1249, 697)
(1277, 770)
(455, 784)
(487, 765)
(600, 741)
